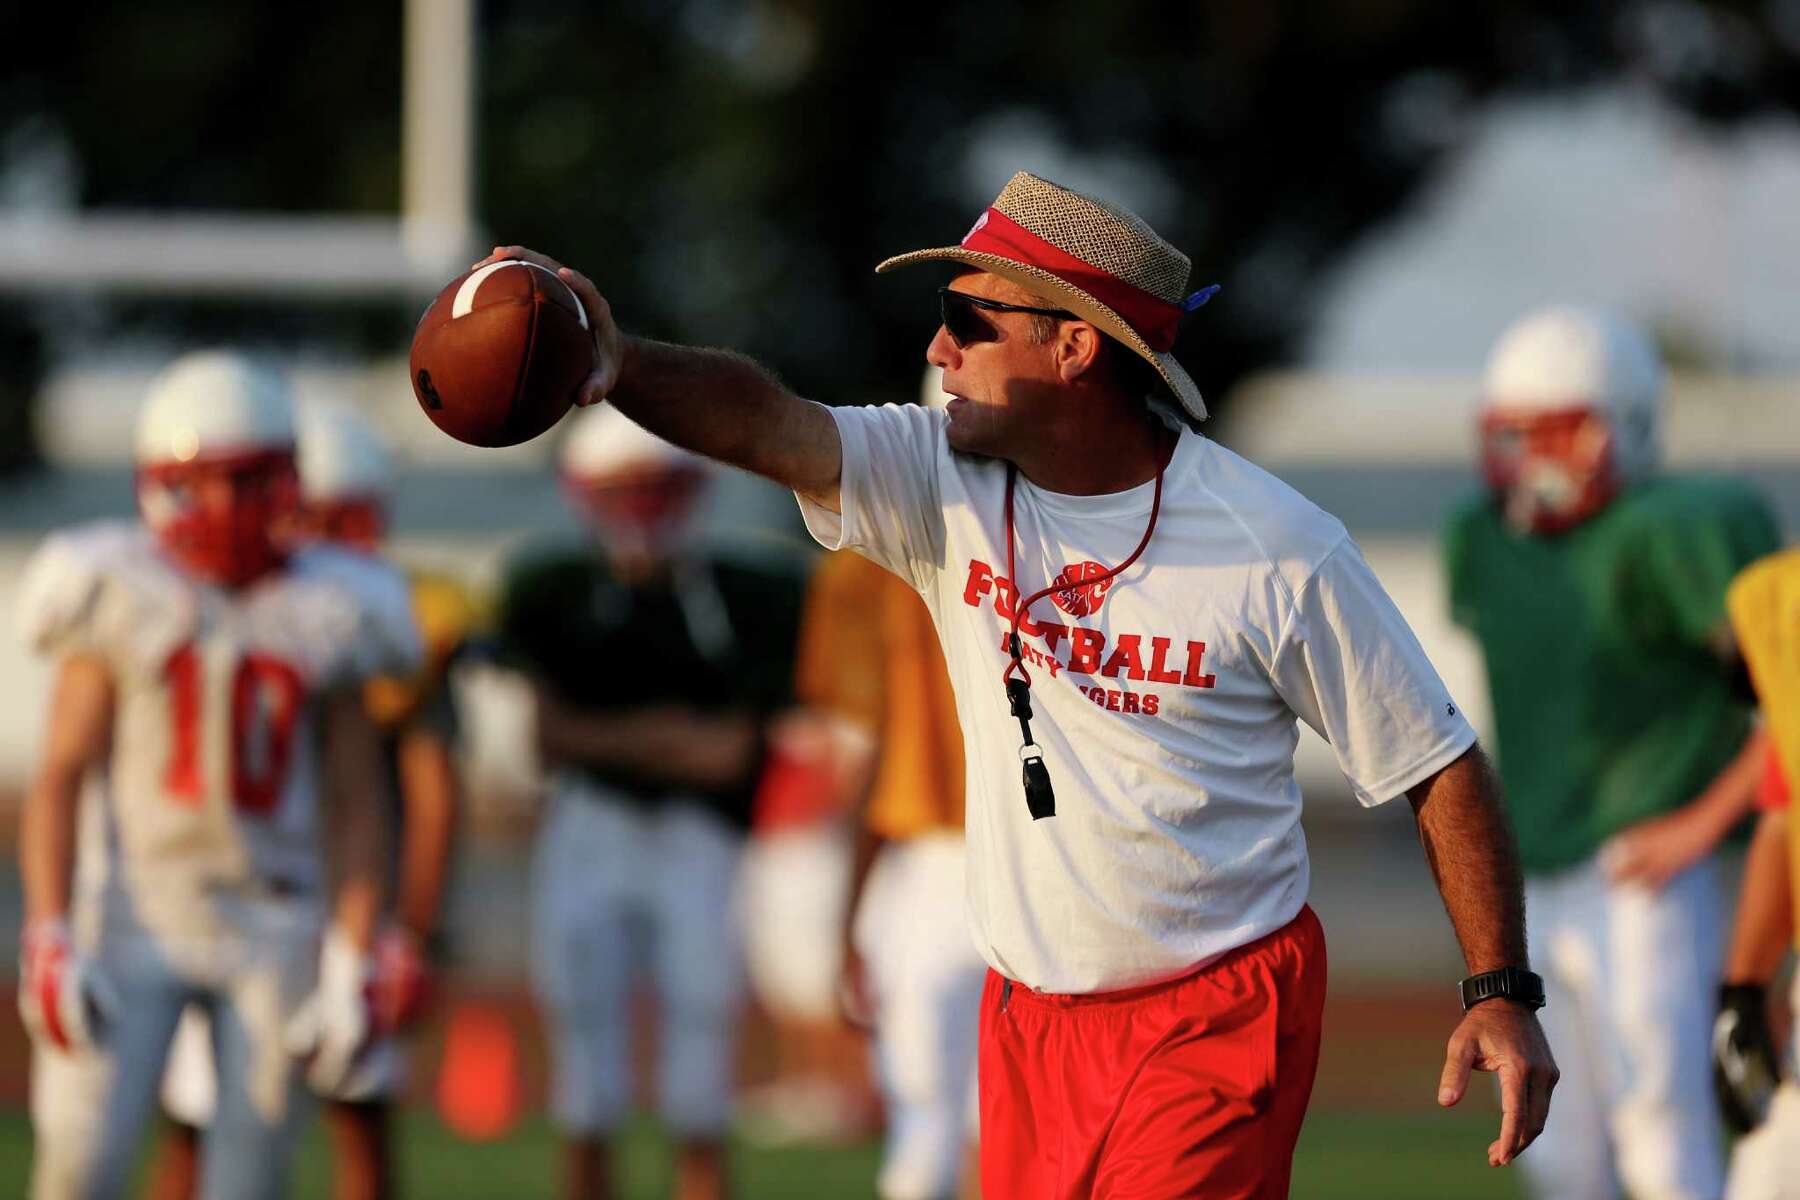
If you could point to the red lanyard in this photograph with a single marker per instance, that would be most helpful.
(1040, 798)
(1012, 570)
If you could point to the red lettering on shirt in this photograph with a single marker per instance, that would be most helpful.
(1152, 702)
(1085, 646)
(981, 582)
(1193, 678)
(1126, 657)
(1159, 658)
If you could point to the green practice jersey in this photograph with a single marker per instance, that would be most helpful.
(717, 637)
(1608, 654)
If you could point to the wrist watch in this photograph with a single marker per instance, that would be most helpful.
(1508, 983)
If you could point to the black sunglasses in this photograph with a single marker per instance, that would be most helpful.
(966, 326)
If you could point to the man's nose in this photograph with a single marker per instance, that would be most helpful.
(943, 351)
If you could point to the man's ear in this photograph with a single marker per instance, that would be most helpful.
(1078, 346)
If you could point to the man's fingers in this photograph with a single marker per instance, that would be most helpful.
(1457, 1064)
(522, 254)
(593, 391)
(1542, 1082)
(1514, 1105)
(600, 381)
(583, 287)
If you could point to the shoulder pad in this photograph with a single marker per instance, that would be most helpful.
(104, 589)
(387, 640)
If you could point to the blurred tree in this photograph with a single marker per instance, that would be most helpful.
(730, 170)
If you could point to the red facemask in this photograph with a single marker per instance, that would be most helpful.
(358, 522)
(1549, 471)
(644, 514)
(226, 519)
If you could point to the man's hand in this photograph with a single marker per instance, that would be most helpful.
(1500, 1036)
(333, 1026)
(609, 344)
(1653, 852)
(63, 1002)
(400, 980)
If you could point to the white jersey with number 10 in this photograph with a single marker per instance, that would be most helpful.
(210, 793)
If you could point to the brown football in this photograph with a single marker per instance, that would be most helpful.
(499, 355)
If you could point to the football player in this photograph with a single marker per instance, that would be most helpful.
(207, 702)
(1757, 1101)
(1595, 586)
(346, 478)
(655, 670)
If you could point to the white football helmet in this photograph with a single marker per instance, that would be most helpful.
(637, 491)
(1570, 414)
(346, 476)
(215, 465)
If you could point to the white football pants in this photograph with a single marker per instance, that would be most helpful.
(89, 1111)
(614, 887)
(1630, 976)
(1765, 1164)
(791, 916)
(925, 977)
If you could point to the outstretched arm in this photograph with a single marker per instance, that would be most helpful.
(713, 402)
(1473, 857)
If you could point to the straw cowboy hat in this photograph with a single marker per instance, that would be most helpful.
(1100, 262)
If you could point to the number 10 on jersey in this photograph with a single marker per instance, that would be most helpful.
(261, 708)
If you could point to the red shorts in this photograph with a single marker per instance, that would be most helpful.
(1194, 1087)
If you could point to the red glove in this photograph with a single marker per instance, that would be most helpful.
(62, 1000)
(400, 985)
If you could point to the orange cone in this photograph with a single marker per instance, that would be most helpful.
(478, 1091)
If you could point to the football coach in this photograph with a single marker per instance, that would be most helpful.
(1133, 618)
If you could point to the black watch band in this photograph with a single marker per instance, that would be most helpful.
(1508, 983)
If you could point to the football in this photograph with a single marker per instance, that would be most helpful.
(499, 355)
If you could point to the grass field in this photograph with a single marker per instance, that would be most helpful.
(1343, 1156)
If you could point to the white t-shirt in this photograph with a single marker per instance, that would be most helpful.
(1164, 704)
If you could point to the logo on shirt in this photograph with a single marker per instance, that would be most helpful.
(1077, 650)
(1081, 588)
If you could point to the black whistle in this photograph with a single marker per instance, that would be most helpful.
(1040, 797)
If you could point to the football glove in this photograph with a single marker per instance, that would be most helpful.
(1745, 1069)
(332, 1027)
(400, 987)
(65, 1002)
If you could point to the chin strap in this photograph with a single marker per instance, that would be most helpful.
(1040, 797)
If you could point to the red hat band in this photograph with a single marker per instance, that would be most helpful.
(1155, 319)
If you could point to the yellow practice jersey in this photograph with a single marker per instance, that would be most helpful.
(446, 616)
(1764, 603)
(869, 654)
